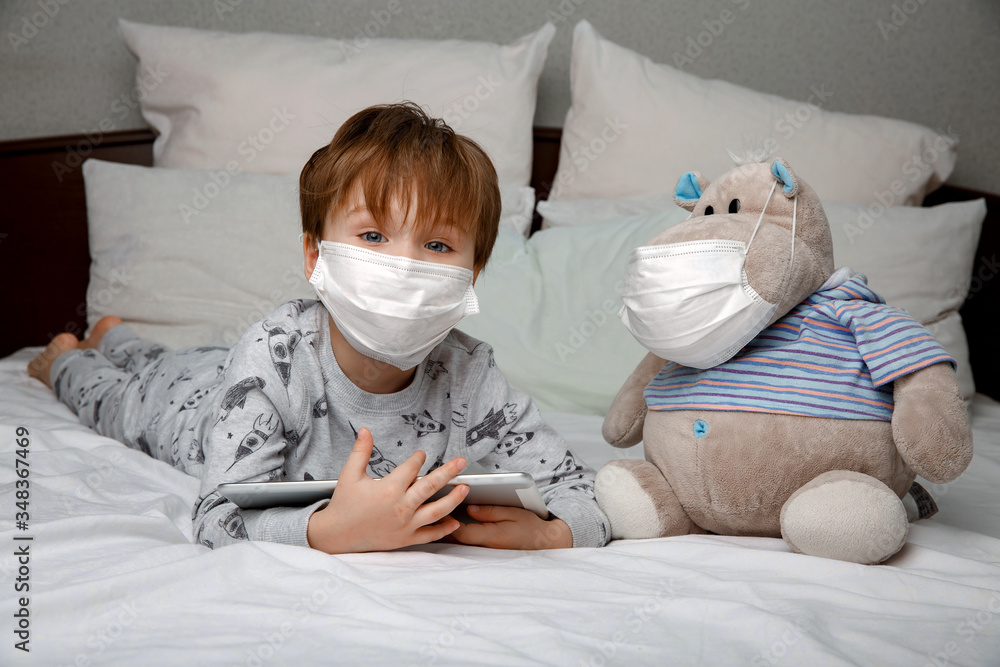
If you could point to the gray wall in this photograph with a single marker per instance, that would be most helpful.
(941, 67)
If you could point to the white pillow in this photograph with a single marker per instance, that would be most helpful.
(186, 257)
(576, 212)
(517, 208)
(917, 258)
(264, 102)
(549, 307)
(635, 126)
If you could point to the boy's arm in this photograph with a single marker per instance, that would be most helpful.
(257, 414)
(506, 433)
(247, 444)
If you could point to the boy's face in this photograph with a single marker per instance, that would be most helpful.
(397, 235)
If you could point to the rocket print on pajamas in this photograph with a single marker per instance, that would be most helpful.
(423, 424)
(149, 433)
(320, 409)
(236, 397)
(217, 500)
(151, 372)
(175, 451)
(183, 376)
(566, 468)
(258, 435)
(293, 437)
(195, 451)
(281, 344)
(204, 541)
(377, 463)
(153, 354)
(513, 441)
(233, 525)
(300, 305)
(491, 425)
(438, 462)
(434, 369)
(116, 404)
(194, 399)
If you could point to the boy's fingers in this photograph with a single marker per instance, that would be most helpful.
(432, 482)
(490, 513)
(497, 535)
(442, 507)
(361, 453)
(407, 471)
(499, 527)
(435, 531)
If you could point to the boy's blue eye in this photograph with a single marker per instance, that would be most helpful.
(437, 246)
(373, 237)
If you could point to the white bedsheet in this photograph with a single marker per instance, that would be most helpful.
(114, 579)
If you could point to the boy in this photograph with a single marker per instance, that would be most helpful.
(399, 215)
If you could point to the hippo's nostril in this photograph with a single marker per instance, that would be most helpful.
(709, 210)
(734, 206)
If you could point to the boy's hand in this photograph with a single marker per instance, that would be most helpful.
(378, 515)
(512, 528)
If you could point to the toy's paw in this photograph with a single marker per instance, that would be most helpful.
(930, 424)
(638, 501)
(847, 516)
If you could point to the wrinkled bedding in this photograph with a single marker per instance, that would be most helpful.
(115, 579)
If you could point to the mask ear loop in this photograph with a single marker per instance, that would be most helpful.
(761, 217)
(791, 260)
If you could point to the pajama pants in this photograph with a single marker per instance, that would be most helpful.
(144, 395)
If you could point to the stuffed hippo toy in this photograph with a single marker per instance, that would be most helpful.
(805, 410)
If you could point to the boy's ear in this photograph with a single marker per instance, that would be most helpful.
(310, 253)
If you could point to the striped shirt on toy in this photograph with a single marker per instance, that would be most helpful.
(834, 355)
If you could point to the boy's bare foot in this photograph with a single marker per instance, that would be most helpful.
(40, 366)
(102, 327)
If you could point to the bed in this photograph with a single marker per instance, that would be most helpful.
(110, 574)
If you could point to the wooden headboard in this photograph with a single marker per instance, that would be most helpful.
(45, 257)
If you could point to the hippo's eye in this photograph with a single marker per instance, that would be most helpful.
(709, 210)
(734, 206)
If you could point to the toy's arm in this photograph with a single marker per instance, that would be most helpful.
(623, 423)
(930, 424)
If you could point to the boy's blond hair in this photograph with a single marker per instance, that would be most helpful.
(395, 152)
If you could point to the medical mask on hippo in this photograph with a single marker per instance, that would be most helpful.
(692, 302)
(389, 308)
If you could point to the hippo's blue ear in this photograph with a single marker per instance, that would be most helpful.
(785, 176)
(689, 190)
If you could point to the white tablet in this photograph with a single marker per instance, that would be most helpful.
(511, 489)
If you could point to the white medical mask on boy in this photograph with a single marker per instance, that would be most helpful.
(389, 308)
(692, 302)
